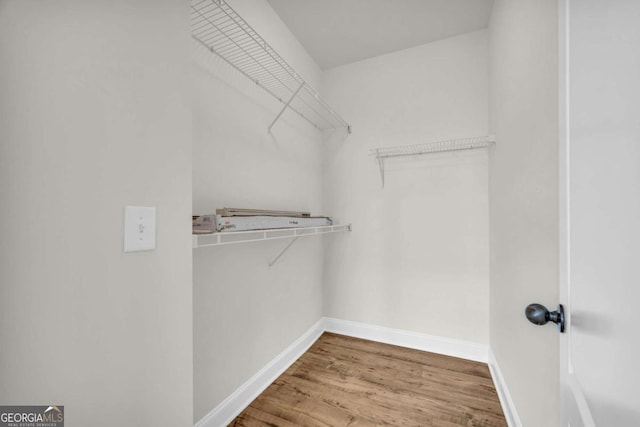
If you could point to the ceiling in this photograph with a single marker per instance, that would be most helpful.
(337, 32)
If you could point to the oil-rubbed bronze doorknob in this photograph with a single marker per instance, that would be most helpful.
(539, 315)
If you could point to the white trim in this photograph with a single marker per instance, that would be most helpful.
(403, 338)
(508, 407)
(233, 405)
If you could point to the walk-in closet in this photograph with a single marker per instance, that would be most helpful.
(306, 213)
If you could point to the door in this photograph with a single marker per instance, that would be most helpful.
(600, 212)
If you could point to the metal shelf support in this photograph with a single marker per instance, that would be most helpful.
(286, 248)
(381, 166)
(285, 106)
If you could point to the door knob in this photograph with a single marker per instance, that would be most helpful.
(539, 315)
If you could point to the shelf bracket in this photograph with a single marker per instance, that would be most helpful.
(285, 106)
(381, 166)
(271, 264)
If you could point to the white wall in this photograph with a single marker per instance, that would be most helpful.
(417, 257)
(524, 201)
(94, 115)
(246, 313)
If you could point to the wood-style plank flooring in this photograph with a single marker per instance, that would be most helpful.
(344, 381)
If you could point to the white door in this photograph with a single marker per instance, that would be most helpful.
(600, 212)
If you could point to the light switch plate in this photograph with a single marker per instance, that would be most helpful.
(139, 228)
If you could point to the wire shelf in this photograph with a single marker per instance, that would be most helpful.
(232, 237)
(430, 147)
(216, 26)
(434, 147)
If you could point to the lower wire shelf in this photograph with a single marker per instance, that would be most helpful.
(232, 237)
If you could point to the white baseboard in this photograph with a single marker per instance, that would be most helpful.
(510, 413)
(435, 344)
(233, 405)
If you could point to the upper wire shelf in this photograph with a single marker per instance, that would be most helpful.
(430, 147)
(216, 26)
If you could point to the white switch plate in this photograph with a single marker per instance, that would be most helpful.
(139, 228)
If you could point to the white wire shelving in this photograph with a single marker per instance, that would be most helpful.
(383, 153)
(216, 26)
(234, 237)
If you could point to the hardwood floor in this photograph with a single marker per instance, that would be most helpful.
(344, 381)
